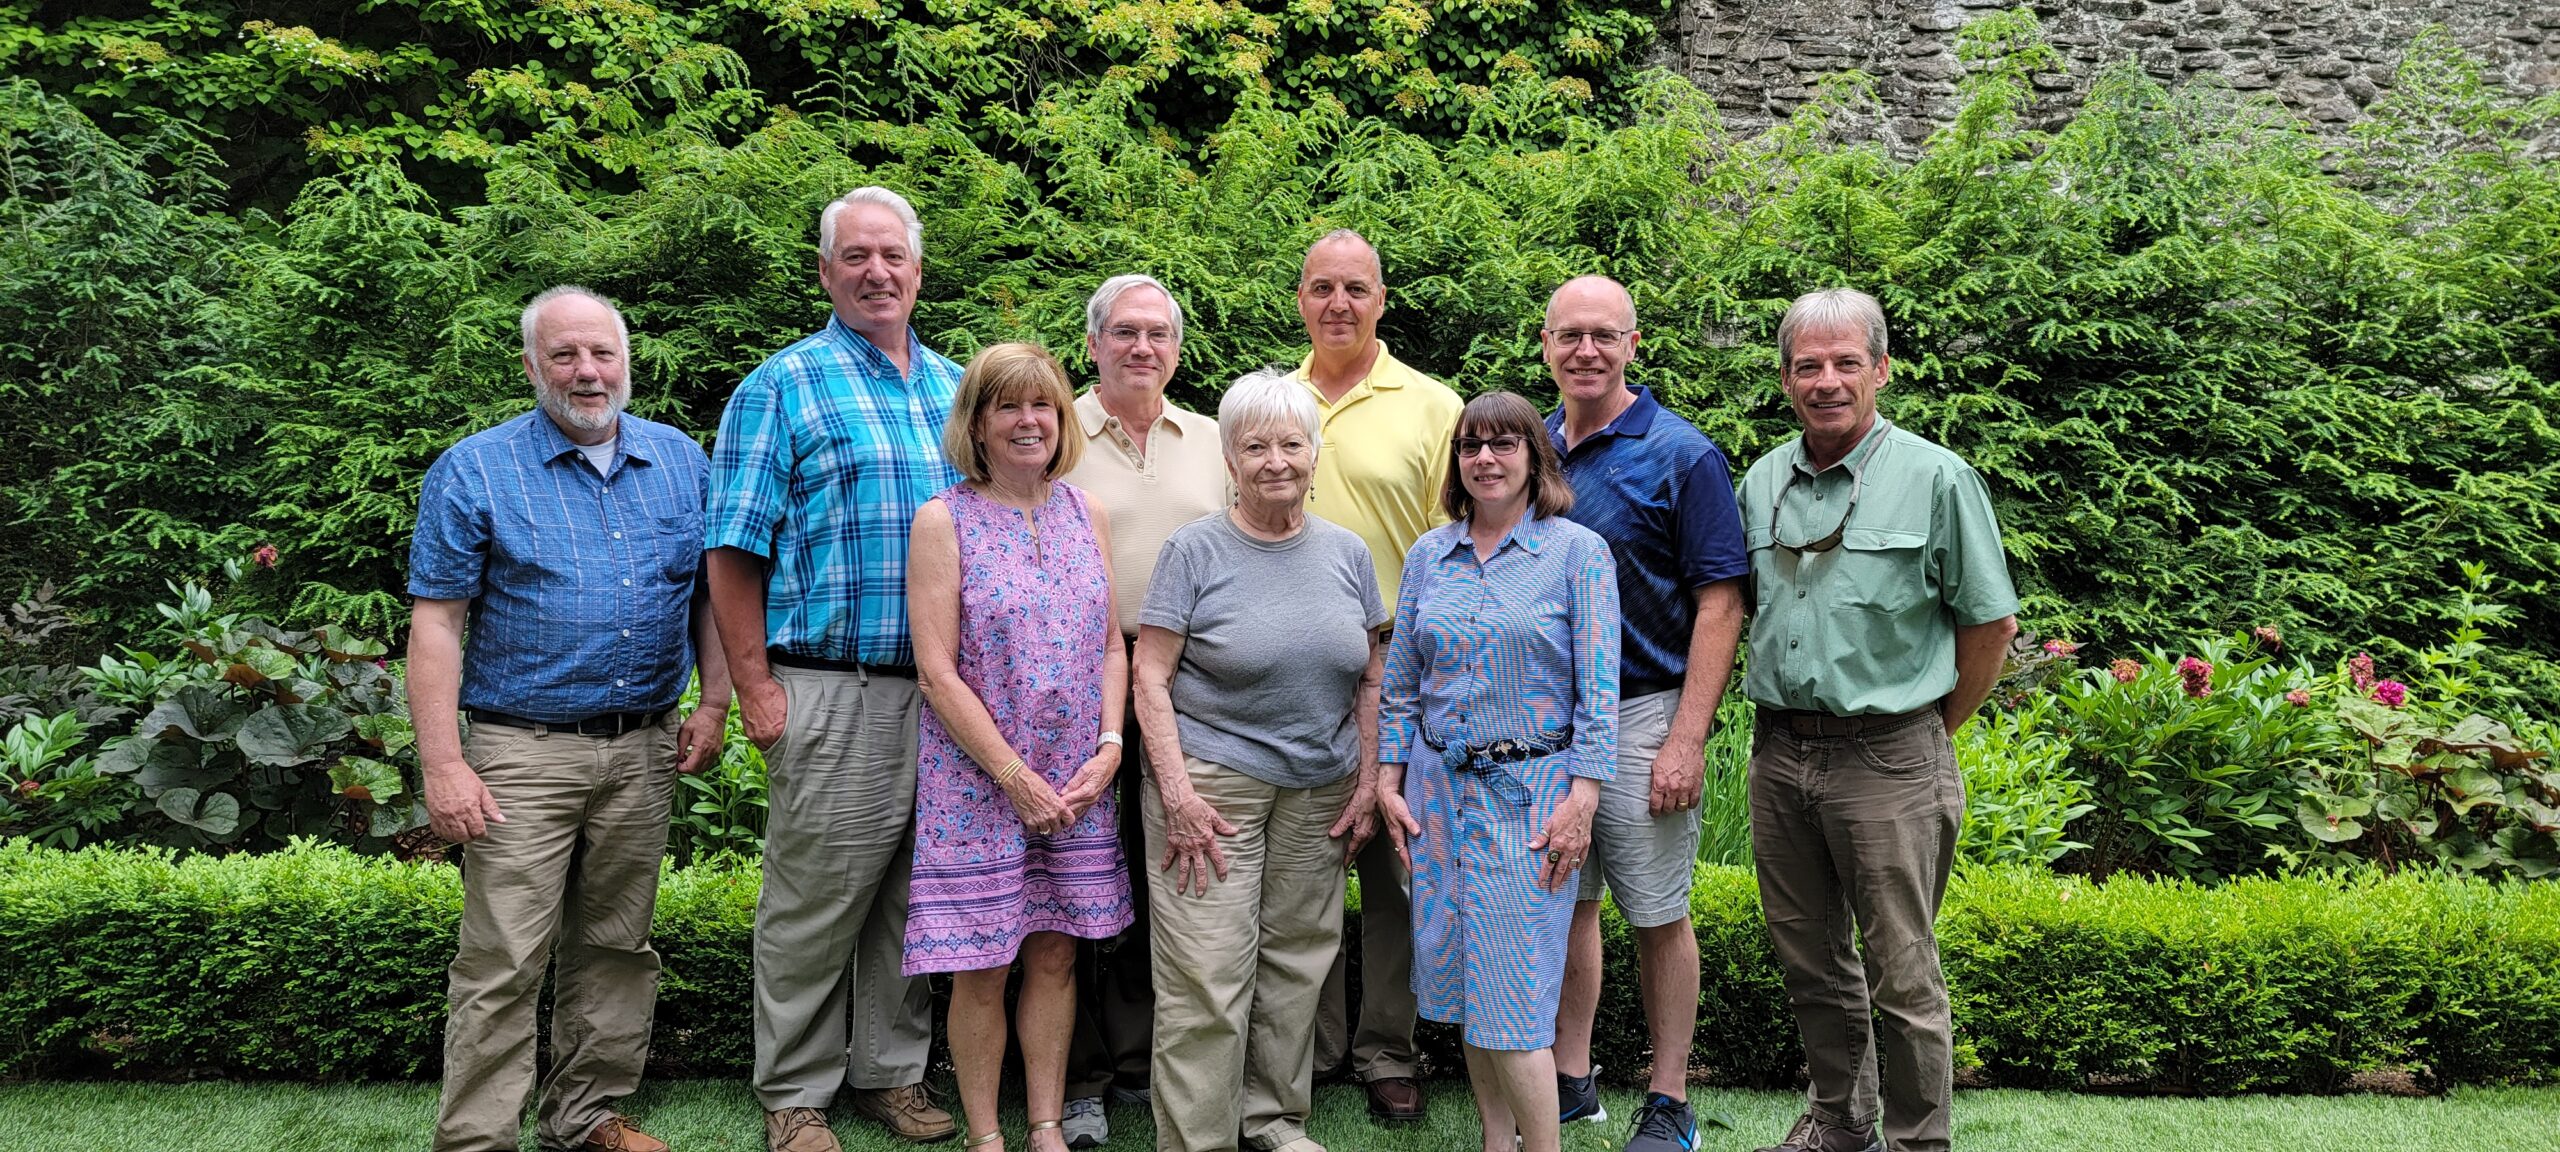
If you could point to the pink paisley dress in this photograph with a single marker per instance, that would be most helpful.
(1032, 619)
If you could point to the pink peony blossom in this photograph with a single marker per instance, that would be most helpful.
(2124, 670)
(2298, 698)
(2391, 693)
(264, 555)
(2268, 637)
(2360, 669)
(2060, 647)
(2195, 676)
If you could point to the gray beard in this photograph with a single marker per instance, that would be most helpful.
(557, 406)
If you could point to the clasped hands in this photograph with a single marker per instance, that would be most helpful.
(1045, 810)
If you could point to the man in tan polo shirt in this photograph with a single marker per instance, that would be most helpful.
(1385, 454)
(1153, 467)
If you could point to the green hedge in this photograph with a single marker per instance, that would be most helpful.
(315, 963)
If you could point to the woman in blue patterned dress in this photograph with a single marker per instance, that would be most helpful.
(1017, 848)
(1499, 721)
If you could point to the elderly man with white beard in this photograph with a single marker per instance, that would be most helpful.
(568, 540)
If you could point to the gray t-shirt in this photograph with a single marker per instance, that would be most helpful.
(1275, 636)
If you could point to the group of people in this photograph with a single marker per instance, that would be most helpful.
(1118, 693)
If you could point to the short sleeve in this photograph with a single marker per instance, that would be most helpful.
(1171, 596)
(1364, 575)
(751, 466)
(450, 551)
(1974, 569)
(1710, 524)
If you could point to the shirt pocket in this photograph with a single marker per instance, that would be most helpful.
(1881, 570)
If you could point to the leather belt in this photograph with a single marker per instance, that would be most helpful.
(1821, 724)
(822, 664)
(603, 724)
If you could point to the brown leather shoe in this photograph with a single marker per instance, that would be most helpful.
(1812, 1135)
(1396, 1100)
(799, 1130)
(908, 1111)
(619, 1134)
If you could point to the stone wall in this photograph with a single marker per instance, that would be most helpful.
(2324, 59)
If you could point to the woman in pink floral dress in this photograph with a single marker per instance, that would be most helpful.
(1017, 848)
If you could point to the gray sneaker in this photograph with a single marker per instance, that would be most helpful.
(1578, 1098)
(1133, 1097)
(1085, 1125)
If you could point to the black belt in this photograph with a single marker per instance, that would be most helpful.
(1630, 689)
(602, 724)
(1805, 723)
(822, 664)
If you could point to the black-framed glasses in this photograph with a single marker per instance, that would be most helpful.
(1604, 339)
(1503, 445)
(1857, 485)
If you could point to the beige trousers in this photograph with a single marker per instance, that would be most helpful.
(570, 880)
(1239, 970)
(831, 920)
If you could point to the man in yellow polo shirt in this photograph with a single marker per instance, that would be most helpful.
(1385, 455)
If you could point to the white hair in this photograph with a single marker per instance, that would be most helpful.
(1097, 311)
(1265, 397)
(1831, 308)
(875, 195)
(533, 314)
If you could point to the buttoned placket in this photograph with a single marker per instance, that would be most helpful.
(622, 547)
(1359, 392)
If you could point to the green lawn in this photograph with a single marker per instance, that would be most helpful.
(699, 1116)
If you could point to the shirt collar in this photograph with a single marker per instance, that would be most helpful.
(1857, 458)
(861, 345)
(1635, 420)
(1530, 534)
(1093, 417)
(556, 444)
(1385, 372)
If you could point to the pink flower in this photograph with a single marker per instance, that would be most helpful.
(2195, 676)
(2360, 669)
(264, 555)
(2060, 647)
(2391, 693)
(2298, 698)
(2124, 670)
(2268, 637)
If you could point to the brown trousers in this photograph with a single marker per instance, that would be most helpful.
(570, 881)
(1853, 837)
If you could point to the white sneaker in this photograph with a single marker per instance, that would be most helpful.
(1085, 1125)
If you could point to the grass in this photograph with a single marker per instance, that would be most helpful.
(704, 1116)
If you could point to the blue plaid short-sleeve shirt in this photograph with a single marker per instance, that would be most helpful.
(825, 454)
(581, 586)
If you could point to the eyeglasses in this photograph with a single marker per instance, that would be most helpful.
(1503, 445)
(1123, 334)
(1604, 339)
(1857, 485)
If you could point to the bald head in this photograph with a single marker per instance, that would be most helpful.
(1594, 296)
(1338, 246)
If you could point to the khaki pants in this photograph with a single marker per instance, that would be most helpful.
(1381, 1044)
(571, 879)
(1115, 995)
(1853, 837)
(1239, 969)
(831, 919)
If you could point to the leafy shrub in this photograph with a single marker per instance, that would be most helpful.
(2019, 799)
(318, 963)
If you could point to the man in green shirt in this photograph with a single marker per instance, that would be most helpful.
(1881, 607)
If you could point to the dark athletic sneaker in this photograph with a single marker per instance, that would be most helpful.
(1664, 1125)
(1578, 1098)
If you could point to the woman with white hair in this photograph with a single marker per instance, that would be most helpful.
(1258, 669)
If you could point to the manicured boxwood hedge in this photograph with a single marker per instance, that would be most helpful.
(316, 964)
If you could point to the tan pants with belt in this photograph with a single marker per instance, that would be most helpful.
(570, 879)
(1239, 970)
(831, 920)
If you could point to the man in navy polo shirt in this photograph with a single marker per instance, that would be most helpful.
(1658, 491)
(567, 542)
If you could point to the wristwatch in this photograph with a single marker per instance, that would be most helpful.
(1111, 738)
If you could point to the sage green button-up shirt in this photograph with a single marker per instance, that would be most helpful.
(1869, 627)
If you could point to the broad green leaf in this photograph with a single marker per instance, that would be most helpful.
(288, 734)
(195, 710)
(2472, 787)
(363, 778)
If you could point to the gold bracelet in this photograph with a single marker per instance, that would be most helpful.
(1011, 769)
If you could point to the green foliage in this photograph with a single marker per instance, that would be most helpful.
(2019, 799)
(249, 736)
(318, 963)
(720, 811)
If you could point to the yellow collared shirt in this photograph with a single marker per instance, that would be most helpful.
(1384, 457)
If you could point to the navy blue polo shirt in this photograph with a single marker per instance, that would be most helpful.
(1659, 492)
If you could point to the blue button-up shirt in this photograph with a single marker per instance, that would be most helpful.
(825, 454)
(1519, 647)
(1659, 492)
(581, 586)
